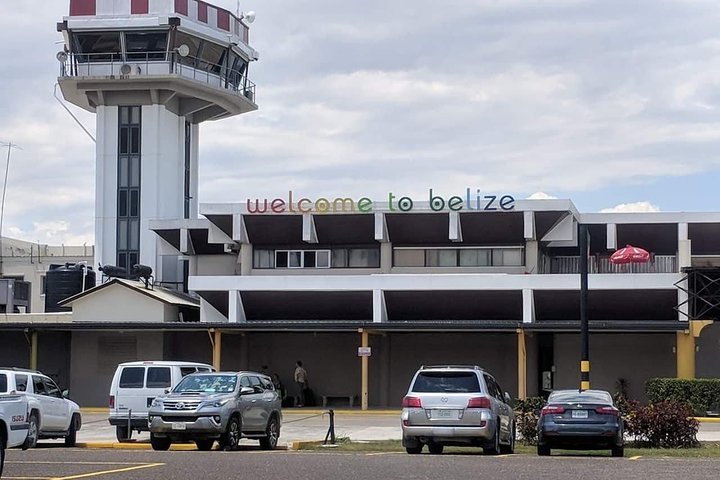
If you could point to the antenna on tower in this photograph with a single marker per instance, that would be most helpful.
(9, 146)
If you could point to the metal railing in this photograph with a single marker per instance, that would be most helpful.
(598, 264)
(148, 64)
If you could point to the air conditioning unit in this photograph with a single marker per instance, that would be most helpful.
(128, 69)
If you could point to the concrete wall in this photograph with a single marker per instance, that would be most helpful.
(495, 352)
(14, 350)
(95, 355)
(102, 306)
(707, 359)
(217, 265)
(634, 357)
(188, 346)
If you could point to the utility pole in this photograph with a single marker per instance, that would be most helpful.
(584, 330)
(9, 146)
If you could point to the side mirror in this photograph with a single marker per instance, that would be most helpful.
(65, 393)
(508, 399)
(246, 390)
(166, 391)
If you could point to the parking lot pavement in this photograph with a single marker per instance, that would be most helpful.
(71, 464)
(312, 425)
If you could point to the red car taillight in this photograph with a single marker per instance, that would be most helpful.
(608, 411)
(112, 401)
(411, 402)
(552, 410)
(479, 402)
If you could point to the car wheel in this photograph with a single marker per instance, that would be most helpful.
(71, 437)
(494, 449)
(230, 439)
(510, 448)
(2, 455)
(435, 448)
(123, 433)
(160, 443)
(272, 434)
(543, 450)
(32, 436)
(205, 444)
(618, 451)
(414, 450)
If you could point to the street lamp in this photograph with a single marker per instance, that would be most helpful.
(9, 146)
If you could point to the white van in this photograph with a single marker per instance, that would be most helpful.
(136, 384)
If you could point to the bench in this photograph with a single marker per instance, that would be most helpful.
(350, 398)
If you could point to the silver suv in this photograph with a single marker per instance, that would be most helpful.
(224, 406)
(457, 405)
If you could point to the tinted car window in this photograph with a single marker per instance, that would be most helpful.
(158, 377)
(51, 388)
(132, 377)
(21, 383)
(3, 383)
(578, 397)
(38, 385)
(437, 382)
(245, 382)
(185, 371)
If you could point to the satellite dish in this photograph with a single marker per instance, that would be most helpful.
(249, 16)
(61, 57)
(183, 50)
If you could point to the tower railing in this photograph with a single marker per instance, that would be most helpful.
(161, 63)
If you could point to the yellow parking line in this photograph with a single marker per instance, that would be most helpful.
(636, 457)
(27, 478)
(73, 463)
(108, 472)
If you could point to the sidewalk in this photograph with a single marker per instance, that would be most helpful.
(300, 424)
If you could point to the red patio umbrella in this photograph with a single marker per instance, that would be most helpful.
(630, 254)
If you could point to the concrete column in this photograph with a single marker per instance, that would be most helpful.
(685, 349)
(528, 305)
(216, 336)
(246, 259)
(386, 257)
(521, 365)
(531, 256)
(34, 351)
(365, 342)
(379, 307)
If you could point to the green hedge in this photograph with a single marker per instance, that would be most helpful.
(703, 394)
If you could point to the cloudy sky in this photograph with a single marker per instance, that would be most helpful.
(613, 104)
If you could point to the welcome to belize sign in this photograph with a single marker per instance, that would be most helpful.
(470, 201)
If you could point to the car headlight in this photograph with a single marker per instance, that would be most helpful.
(157, 402)
(215, 403)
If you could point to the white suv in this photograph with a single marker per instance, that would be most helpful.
(50, 413)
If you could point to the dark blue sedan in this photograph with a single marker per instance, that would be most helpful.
(580, 420)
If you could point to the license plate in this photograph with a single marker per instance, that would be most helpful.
(447, 414)
(579, 414)
(179, 426)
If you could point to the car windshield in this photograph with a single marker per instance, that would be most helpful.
(207, 384)
(574, 396)
(3, 383)
(447, 382)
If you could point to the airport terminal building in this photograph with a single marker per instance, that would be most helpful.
(362, 290)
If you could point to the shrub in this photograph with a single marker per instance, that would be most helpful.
(663, 425)
(527, 413)
(703, 394)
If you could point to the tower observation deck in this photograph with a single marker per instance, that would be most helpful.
(152, 71)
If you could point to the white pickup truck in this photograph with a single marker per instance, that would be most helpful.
(13, 423)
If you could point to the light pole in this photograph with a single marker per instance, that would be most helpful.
(584, 330)
(9, 146)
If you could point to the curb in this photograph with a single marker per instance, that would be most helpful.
(298, 445)
(708, 419)
(316, 411)
(182, 447)
(95, 410)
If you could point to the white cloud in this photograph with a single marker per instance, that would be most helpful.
(632, 208)
(541, 196)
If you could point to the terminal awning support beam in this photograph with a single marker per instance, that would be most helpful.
(216, 342)
(309, 232)
(685, 350)
(455, 227)
(521, 365)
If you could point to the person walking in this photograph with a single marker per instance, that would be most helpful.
(301, 382)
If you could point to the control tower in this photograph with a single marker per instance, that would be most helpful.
(151, 71)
